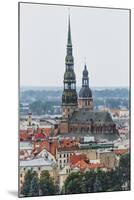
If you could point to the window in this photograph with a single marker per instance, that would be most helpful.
(21, 175)
(39, 168)
(64, 155)
(73, 86)
(64, 161)
(60, 155)
(66, 86)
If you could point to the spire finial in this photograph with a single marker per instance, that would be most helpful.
(85, 67)
(69, 12)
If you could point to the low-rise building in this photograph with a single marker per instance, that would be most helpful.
(38, 165)
(63, 155)
(108, 159)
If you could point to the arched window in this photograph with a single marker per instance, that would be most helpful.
(66, 86)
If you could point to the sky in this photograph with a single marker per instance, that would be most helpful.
(100, 37)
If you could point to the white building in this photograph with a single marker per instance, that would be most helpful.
(38, 165)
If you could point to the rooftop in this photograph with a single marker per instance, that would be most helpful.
(97, 136)
(90, 116)
(83, 165)
(26, 145)
(36, 162)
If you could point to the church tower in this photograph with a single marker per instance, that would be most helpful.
(85, 100)
(69, 95)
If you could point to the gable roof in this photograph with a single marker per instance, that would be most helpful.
(89, 116)
(82, 165)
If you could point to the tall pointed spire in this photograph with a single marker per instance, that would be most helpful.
(69, 41)
(85, 79)
(69, 57)
(69, 95)
(85, 67)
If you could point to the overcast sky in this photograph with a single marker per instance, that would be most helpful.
(101, 36)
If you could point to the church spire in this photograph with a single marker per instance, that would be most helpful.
(69, 40)
(85, 100)
(69, 95)
(85, 79)
(69, 56)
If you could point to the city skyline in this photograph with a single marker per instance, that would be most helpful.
(73, 140)
(40, 49)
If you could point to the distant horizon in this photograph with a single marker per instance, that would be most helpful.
(61, 87)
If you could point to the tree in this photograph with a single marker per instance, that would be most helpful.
(98, 181)
(73, 183)
(47, 186)
(30, 183)
(89, 180)
(124, 169)
(34, 188)
(97, 185)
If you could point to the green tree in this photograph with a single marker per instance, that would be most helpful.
(31, 182)
(124, 170)
(47, 186)
(97, 185)
(89, 180)
(34, 188)
(73, 183)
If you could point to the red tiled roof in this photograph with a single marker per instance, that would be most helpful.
(83, 165)
(65, 143)
(95, 165)
(39, 136)
(47, 131)
(75, 158)
(23, 131)
(25, 136)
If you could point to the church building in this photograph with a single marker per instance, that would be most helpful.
(78, 115)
